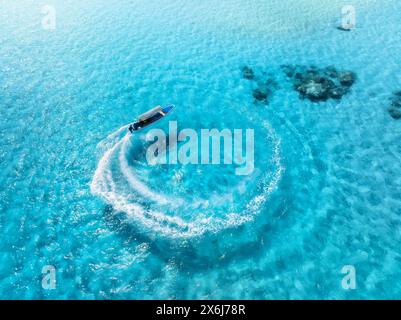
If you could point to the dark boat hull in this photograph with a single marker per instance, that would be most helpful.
(147, 119)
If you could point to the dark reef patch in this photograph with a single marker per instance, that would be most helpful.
(320, 84)
(247, 73)
(264, 90)
(261, 94)
(395, 108)
(263, 84)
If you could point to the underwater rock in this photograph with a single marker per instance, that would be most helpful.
(395, 107)
(347, 78)
(331, 72)
(320, 84)
(263, 84)
(395, 113)
(396, 101)
(260, 94)
(314, 88)
(264, 90)
(288, 70)
(396, 104)
(337, 92)
(248, 73)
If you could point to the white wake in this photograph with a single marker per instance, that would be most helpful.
(115, 181)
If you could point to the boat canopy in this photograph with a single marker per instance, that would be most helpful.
(150, 113)
(150, 117)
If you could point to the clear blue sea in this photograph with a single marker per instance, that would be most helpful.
(77, 194)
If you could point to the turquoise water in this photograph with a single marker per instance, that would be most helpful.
(77, 194)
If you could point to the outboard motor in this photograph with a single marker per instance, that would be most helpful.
(133, 127)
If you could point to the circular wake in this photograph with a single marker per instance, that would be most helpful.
(116, 181)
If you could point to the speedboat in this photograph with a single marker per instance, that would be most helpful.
(345, 28)
(150, 117)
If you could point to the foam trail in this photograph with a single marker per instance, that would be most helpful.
(104, 185)
(255, 204)
(111, 139)
(134, 182)
(99, 178)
